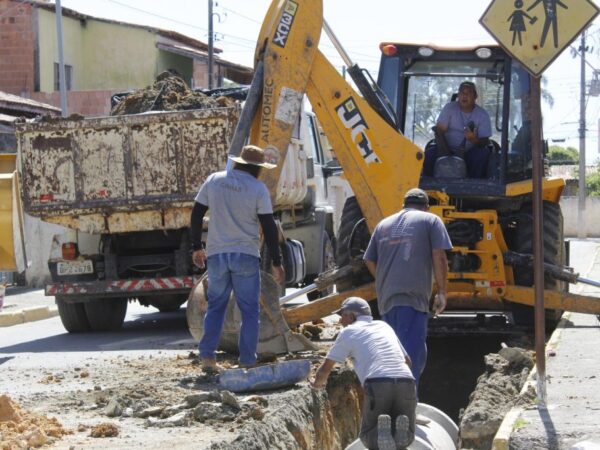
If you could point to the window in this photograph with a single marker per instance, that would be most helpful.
(68, 77)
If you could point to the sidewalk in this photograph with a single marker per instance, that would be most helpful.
(571, 419)
(26, 305)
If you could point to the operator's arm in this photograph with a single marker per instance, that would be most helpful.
(198, 255)
(267, 222)
(440, 271)
(479, 136)
(323, 373)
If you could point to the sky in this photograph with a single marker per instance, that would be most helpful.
(360, 26)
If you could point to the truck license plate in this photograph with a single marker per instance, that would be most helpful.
(75, 267)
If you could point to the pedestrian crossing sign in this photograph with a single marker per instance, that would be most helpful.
(535, 32)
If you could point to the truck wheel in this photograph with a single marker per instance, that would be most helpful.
(347, 250)
(106, 314)
(72, 316)
(554, 253)
(328, 262)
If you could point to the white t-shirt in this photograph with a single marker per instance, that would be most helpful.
(374, 349)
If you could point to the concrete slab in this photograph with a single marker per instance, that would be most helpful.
(570, 418)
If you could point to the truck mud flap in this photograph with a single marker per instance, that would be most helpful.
(275, 336)
(294, 262)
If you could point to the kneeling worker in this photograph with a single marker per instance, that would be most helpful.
(383, 368)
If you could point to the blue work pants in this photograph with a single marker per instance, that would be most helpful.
(410, 326)
(240, 272)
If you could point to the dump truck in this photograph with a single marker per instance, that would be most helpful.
(123, 187)
(379, 135)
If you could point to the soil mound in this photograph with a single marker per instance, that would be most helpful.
(497, 391)
(168, 93)
(20, 429)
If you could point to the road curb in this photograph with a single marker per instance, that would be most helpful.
(31, 314)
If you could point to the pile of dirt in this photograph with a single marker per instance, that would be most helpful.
(168, 93)
(20, 429)
(497, 391)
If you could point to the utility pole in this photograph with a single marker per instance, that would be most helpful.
(61, 60)
(581, 227)
(210, 44)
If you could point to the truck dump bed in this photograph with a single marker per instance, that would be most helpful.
(123, 173)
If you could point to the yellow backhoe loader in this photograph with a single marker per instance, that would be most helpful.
(379, 138)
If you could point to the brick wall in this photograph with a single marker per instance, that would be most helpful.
(86, 103)
(200, 74)
(17, 42)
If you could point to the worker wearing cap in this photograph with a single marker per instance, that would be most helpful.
(463, 129)
(382, 366)
(238, 202)
(404, 250)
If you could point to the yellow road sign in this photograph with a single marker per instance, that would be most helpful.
(535, 32)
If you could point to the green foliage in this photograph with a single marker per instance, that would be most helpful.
(562, 155)
(592, 184)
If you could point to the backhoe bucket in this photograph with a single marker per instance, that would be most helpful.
(275, 337)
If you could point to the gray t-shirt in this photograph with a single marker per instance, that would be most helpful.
(456, 121)
(402, 246)
(234, 200)
(374, 349)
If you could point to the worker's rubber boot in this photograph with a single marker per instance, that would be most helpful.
(385, 440)
(402, 436)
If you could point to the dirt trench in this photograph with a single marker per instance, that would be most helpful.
(306, 419)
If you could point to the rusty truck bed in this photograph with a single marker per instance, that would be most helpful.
(123, 173)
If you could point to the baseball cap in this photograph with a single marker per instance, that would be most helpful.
(468, 84)
(356, 305)
(416, 196)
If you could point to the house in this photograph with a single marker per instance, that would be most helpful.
(101, 57)
(11, 108)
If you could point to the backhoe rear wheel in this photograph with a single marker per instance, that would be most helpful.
(106, 314)
(72, 316)
(554, 253)
(353, 238)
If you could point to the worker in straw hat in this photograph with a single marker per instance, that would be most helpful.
(238, 203)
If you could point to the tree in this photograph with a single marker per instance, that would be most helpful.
(558, 155)
(592, 183)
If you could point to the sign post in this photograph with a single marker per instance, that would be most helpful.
(535, 32)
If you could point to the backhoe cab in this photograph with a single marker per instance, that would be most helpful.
(419, 80)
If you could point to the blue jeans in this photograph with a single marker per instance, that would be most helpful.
(240, 272)
(410, 326)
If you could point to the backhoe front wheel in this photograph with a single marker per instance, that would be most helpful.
(554, 253)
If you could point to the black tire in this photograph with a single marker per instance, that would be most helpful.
(352, 227)
(327, 262)
(72, 316)
(106, 314)
(554, 253)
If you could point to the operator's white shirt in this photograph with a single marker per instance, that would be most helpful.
(374, 349)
